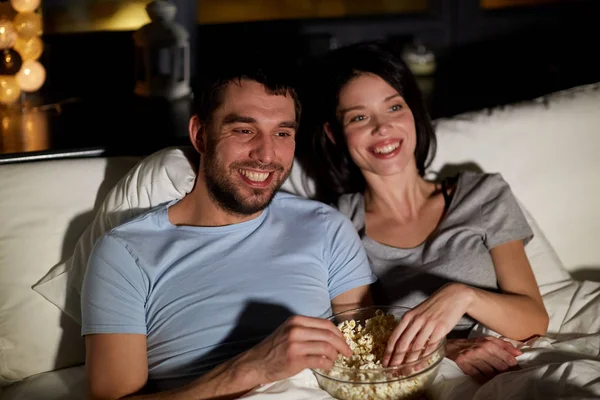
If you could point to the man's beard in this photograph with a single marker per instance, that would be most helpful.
(224, 191)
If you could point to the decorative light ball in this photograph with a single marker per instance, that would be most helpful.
(29, 49)
(8, 35)
(10, 62)
(25, 5)
(28, 24)
(31, 77)
(9, 89)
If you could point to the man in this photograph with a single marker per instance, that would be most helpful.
(226, 289)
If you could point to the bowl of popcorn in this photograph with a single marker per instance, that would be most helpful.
(362, 376)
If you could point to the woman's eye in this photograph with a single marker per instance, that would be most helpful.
(358, 118)
(396, 107)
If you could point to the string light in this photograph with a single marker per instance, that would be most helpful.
(9, 89)
(31, 77)
(25, 5)
(20, 48)
(8, 35)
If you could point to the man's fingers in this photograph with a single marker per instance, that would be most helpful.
(317, 349)
(497, 363)
(306, 334)
(506, 345)
(473, 372)
(483, 367)
(313, 361)
(319, 323)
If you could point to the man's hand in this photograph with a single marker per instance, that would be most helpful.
(300, 343)
(482, 358)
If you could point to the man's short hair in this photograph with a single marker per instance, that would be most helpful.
(208, 93)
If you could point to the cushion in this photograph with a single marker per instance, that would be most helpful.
(163, 176)
(547, 150)
(44, 207)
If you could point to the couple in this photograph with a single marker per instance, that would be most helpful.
(226, 289)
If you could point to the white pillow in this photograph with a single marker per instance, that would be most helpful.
(44, 208)
(163, 176)
(547, 149)
(546, 266)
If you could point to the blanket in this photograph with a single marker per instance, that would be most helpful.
(565, 364)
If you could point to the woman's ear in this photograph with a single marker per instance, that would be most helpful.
(197, 132)
(329, 132)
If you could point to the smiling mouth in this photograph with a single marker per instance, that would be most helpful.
(387, 149)
(254, 176)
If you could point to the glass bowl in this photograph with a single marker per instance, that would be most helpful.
(404, 381)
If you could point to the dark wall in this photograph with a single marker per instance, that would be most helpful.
(484, 58)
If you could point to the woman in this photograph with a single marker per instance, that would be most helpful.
(451, 250)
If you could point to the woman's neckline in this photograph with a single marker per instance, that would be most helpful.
(447, 211)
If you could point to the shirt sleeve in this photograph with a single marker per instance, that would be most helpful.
(114, 291)
(348, 264)
(503, 219)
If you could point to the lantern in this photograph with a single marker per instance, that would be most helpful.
(162, 54)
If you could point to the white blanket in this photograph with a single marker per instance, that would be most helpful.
(565, 364)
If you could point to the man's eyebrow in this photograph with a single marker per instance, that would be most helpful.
(289, 124)
(236, 118)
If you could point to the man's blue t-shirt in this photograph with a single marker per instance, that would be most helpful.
(201, 295)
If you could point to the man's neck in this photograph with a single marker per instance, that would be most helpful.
(199, 208)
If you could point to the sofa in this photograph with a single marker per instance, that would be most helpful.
(547, 149)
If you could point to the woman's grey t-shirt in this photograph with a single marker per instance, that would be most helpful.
(483, 213)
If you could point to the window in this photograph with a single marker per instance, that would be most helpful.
(62, 16)
(491, 4)
(227, 11)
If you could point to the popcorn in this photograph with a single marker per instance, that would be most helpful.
(362, 376)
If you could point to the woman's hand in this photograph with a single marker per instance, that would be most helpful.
(482, 358)
(428, 322)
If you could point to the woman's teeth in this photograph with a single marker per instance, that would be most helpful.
(254, 176)
(387, 149)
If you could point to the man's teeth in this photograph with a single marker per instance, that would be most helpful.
(387, 149)
(255, 176)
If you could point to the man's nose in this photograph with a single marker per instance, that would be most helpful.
(263, 148)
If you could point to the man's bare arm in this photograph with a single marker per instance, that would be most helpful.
(117, 365)
(353, 298)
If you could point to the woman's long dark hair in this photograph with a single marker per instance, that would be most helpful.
(328, 163)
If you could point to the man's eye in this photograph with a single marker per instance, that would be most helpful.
(396, 107)
(358, 118)
(243, 131)
(283, 134)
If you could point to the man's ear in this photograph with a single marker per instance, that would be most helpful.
(329, 132)
(197, 132)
